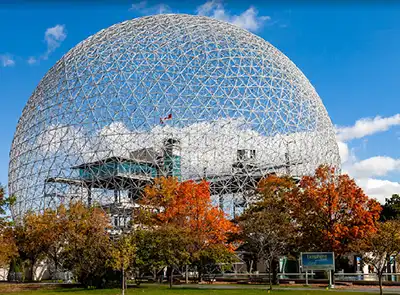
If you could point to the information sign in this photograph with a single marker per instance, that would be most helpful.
(318, 261)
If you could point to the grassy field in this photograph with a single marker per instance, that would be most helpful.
(157, 290)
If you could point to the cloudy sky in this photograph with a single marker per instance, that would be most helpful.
(350, 53)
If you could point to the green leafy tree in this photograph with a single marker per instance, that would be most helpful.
(173, 244)
(147, 254)
(206, 260)
(123, 254)
(391, 209)
(168, 248)
(267, 228)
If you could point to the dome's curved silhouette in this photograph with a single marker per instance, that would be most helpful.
(178, 95)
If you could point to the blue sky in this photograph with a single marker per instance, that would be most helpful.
(349, 52)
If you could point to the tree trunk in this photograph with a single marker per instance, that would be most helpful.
(275, 270)
(199, 274)
(171, 277)
(55, 267)
(161, 277)
(123, 281)
(32, 270)
(380, 283)
(55, 271)
(269, 275)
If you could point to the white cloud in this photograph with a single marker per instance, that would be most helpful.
(249, 19)
(207, 145)
(54, 36)
(367, 126)
(63, 139)
(142, 7)
(139, 6)
(375, 166)
(343, 151)
(6, 60)
(366, 171)
(379, 189)
(32, 60)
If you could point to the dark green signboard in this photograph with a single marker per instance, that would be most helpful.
(318, 261)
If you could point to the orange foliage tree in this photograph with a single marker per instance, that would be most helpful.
(331, 211)
(188, 205)
(34, 237)
(8, 249)
(41, 235)
(73, 238)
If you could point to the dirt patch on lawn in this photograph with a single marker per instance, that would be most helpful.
(18, 287)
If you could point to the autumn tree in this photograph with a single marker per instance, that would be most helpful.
(75, 239)
(33, 238)
(57, 221)
(51, 226)
(378, 247)
(187, 205)
(122, 256)
(331, 211)
(8, 249)
(266, 226)
(87, 247)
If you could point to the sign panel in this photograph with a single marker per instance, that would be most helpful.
(318, 261)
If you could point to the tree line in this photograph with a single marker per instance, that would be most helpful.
(176, 225)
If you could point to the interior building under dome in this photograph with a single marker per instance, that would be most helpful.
(166, 95)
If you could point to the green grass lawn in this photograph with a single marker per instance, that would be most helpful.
(158, 290)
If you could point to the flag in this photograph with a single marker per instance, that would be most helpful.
(162, 120)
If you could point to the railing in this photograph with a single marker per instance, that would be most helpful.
(390, 277)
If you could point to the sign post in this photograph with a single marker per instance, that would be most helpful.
(307, 277)
(318, 261)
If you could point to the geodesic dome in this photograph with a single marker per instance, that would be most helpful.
(173, 95)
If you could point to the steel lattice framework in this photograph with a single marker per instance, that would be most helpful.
(178, 95)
